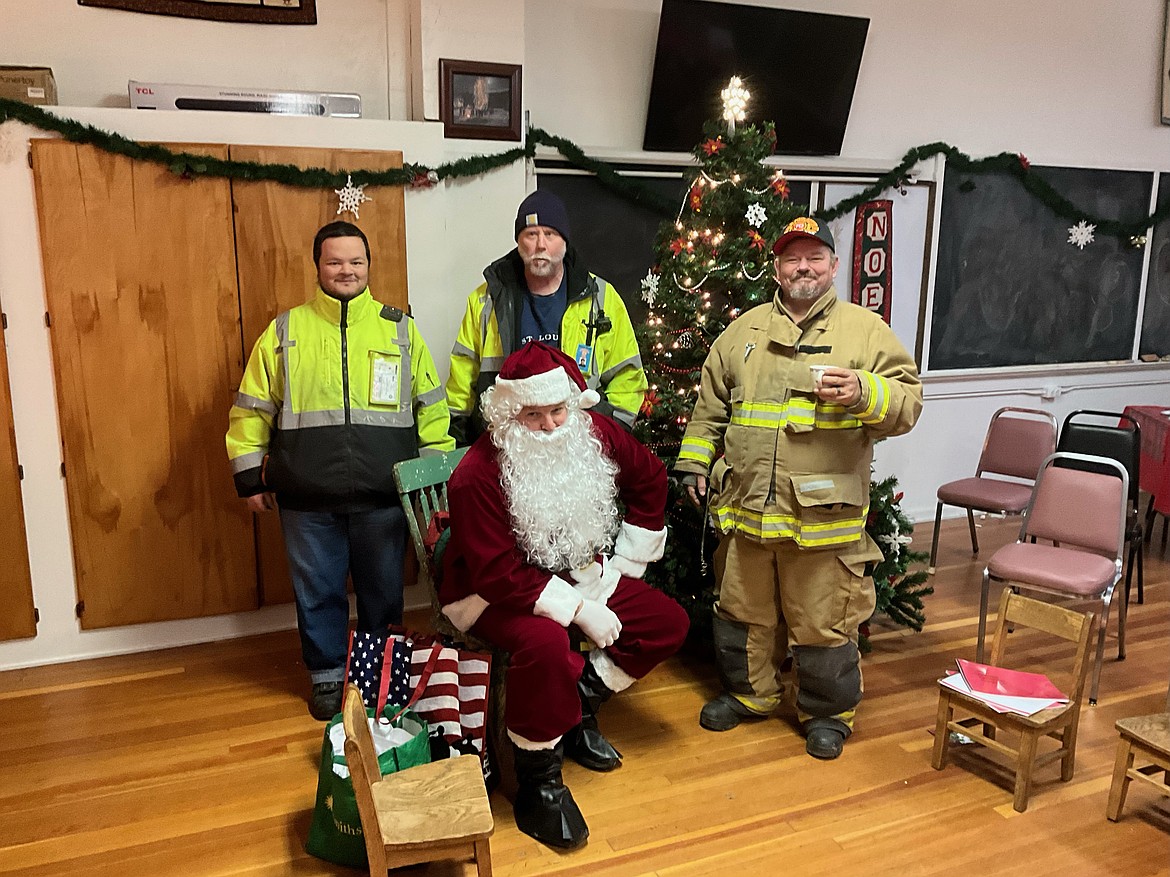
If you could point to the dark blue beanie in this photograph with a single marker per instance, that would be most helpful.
(543, 208)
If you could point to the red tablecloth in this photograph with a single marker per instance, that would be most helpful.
(1155, 474)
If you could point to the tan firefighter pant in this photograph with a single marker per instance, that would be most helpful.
(774, 595)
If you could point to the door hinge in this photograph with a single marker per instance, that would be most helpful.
(62, 468)
(48, 322)
(19, 472)
(4, 320)
(36, 615)
(79, 608)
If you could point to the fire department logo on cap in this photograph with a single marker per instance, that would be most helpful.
(803, 223)
(531, 219)
(804, 227)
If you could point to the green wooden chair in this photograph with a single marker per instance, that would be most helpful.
(422, 489)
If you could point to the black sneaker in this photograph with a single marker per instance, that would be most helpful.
(325, 701)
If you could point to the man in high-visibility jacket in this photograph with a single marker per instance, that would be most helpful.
(794, 393)
(540, 292)
(336, 391)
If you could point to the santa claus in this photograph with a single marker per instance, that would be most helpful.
(538, 545)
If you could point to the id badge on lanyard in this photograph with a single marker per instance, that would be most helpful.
(584, 358)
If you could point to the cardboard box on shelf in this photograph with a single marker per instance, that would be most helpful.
(32, 85)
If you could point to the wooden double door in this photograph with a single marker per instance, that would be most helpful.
(157, 287)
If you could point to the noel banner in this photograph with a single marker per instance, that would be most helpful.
(872, 269)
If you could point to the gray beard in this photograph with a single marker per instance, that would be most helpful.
(561, 492)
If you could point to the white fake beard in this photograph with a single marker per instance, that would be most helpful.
(560, 490)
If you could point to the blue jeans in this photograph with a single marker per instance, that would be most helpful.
(323, 548)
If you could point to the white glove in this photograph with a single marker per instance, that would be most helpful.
(597, 581)
(599, 623)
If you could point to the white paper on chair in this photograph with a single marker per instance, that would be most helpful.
(1021, 706)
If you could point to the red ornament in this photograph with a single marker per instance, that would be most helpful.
(757, 241)
(898, 496)
(1024, 161)
(713, 146)
(779, 187)
(677, 246)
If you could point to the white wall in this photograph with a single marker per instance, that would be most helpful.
(356, 46)
(1064, 82)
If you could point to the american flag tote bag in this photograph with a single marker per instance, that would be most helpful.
(451, 688)
(445, 685)
(372, 660)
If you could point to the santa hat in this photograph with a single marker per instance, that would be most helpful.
(538, 375)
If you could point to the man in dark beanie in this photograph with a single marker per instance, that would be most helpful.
(541, 292)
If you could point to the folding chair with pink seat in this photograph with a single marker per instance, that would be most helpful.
(1079, 517)
(1017, 441)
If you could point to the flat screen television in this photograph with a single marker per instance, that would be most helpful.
(800, 68)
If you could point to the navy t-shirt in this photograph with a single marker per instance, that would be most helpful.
(540, 316)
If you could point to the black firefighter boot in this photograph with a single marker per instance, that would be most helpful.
(544, 806)
(585, 744)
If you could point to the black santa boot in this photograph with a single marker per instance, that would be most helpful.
(544, 807)
(585, 744)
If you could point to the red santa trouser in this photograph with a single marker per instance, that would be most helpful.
(542, 702)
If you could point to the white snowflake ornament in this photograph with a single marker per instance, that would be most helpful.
(650, 288)
(350, 198)
(756, 215)
(1081, 234)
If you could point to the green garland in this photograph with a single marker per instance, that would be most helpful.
(417, 175)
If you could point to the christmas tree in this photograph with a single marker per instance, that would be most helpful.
(711, 263)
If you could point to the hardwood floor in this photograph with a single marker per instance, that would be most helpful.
(202, 761)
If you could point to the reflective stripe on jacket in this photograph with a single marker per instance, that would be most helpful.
(488, 334)
(794, 466)
(334, 394)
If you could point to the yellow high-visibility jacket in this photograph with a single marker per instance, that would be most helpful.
(334, 394)
(491, 324)
(793, 466)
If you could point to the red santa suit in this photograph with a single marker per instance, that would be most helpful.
(490, 587)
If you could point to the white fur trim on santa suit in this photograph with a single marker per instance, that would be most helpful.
(464, 613)
(635, 547)
(597, 581)
(552, 387)
(532, 745)
(615, 678)
(558, 601)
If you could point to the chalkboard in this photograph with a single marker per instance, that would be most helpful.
(1010, 290)
(1156, 320)
(614, 236)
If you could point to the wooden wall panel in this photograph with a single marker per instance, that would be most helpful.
(275, 225)
(18, 618)
(140, 280)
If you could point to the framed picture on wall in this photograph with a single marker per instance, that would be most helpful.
(479, 100)
(1166, 68)
(252, 11)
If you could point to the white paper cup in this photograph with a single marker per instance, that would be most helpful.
(818, 372)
